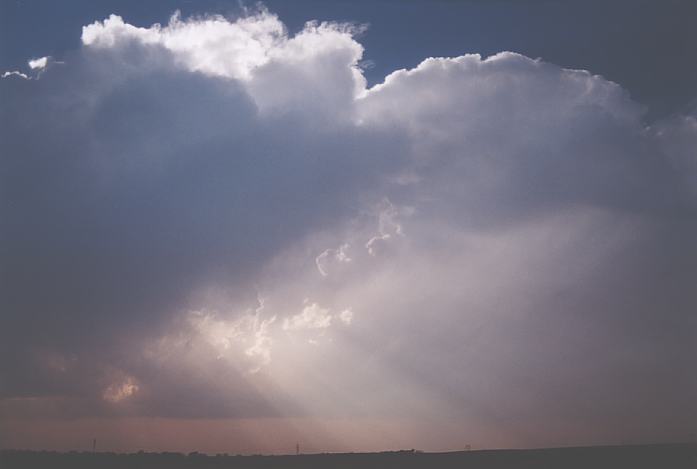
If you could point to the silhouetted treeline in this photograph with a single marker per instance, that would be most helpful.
(616, 457)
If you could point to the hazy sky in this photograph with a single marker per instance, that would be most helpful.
(247, 227)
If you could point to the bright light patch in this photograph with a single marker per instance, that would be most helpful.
(39, 63)
(117, 392)
(346, 316)
(312, 317)
(248, 335)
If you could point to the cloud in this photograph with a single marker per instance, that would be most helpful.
(248, 333)
(39, 63)
(517, 242)
(16, 74)
(387, 228)
(214, 45)
(316, 68)
(311, 317)
(332, 256)
(117, 392)
(346, 316)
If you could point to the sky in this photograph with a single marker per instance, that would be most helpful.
(354, 226)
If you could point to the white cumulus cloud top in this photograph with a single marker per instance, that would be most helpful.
(39, 63)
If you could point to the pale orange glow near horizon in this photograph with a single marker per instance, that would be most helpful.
(280, 435)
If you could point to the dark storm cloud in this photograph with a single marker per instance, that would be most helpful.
(127, 183)
(214, 219)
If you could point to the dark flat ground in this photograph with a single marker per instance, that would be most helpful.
(616, 457)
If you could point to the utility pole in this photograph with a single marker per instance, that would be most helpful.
(297, 449)
(94, 445)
